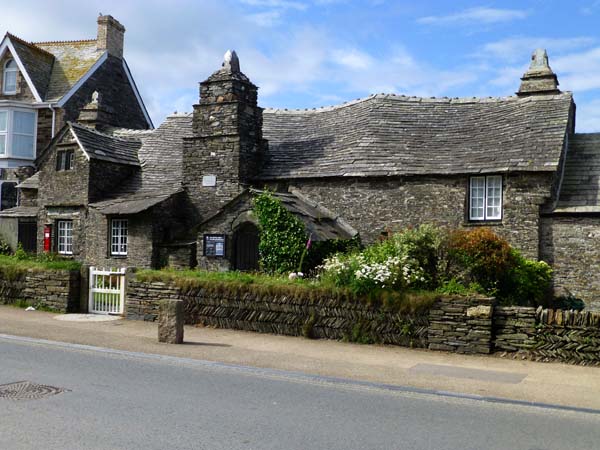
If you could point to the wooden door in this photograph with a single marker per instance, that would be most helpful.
(246, 247)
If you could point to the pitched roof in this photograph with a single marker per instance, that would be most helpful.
(580, 187)
(73, 59)
(132, 204)
(107, 148)
(20, 211)
(33, 182)
(37, 62)
(386, 135)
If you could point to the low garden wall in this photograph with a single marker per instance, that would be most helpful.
(58, 290)
(452, 323)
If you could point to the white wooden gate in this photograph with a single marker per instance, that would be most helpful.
(107, 291)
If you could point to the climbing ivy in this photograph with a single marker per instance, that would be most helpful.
(282, 236)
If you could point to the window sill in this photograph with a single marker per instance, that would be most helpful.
(118, 256)
(483, 223)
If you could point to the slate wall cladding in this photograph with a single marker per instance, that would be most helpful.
(371, 206)
(571, 244)
(111, 81)
(56, 289)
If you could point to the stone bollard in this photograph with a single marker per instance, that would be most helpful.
(170, 321)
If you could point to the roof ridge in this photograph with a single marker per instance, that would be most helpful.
(65, 42)
(415, 99)
(29, 44)
(92, 130)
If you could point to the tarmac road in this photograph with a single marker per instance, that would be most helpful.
(125, 400)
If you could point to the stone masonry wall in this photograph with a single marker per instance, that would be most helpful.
(55, 289)
(514, 328)
(461, 324)
(571, 245)
(371, 206)
(453, 324)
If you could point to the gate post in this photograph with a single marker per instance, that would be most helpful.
(84, 294)
(170, 321)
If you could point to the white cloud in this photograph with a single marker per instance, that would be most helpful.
(352, 58)
(480, 15)
(266, 19)
(588, 117)
(518, 49)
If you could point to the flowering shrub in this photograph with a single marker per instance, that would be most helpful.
(393, 264)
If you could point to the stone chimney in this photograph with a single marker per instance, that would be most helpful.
(110, 35)
(224, 154)
(95, 115)
(539, 78)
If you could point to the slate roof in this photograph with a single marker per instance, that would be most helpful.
(385, 135)
(107, 148)
(72, 60)
(131, 204)
(161, 157)
(33, 182)
(37, 61)
(20, 211)
(580, 188)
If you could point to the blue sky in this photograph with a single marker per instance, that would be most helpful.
(311, 53)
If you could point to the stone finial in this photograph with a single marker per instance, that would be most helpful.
(95, 97)
(539, 78)
(231, 61)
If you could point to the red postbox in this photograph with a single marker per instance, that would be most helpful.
(47, 238)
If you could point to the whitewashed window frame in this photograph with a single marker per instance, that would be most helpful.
(9, 72)
(64, 237)
(486, 198)
(119, 237)
(8, 133)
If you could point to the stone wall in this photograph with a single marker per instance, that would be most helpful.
(514, 328)
(55, 289)
(569, 336)
(461, 324)
(571, 245)
(373, 205)
(454, 323)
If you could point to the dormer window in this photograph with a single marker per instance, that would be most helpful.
(9, 80)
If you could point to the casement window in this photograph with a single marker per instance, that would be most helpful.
(9, 79)
(65, 159)
(118, 237)
(485, 198)
(17, 133)
(64, 237)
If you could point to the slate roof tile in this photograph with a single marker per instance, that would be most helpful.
(107, 148)
(413, 136)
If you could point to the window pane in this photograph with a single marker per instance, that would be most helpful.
(10, 81)
(22, 146)
(2, 144)
(477, 197)
(494, 197)
(24, 122)
(3, 120)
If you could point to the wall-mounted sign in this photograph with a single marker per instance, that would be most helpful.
(214, 244)
(209, 180)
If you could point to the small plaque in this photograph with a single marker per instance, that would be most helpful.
(209, 180)
(214, 244)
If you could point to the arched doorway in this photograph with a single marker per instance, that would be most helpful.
(246, 239)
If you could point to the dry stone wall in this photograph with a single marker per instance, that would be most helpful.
(55, 289)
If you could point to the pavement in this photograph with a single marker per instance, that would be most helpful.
(479, 376)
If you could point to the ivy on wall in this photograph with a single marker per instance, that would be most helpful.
(282, 235)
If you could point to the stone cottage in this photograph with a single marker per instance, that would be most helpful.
(181, 194)
(44, 85)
